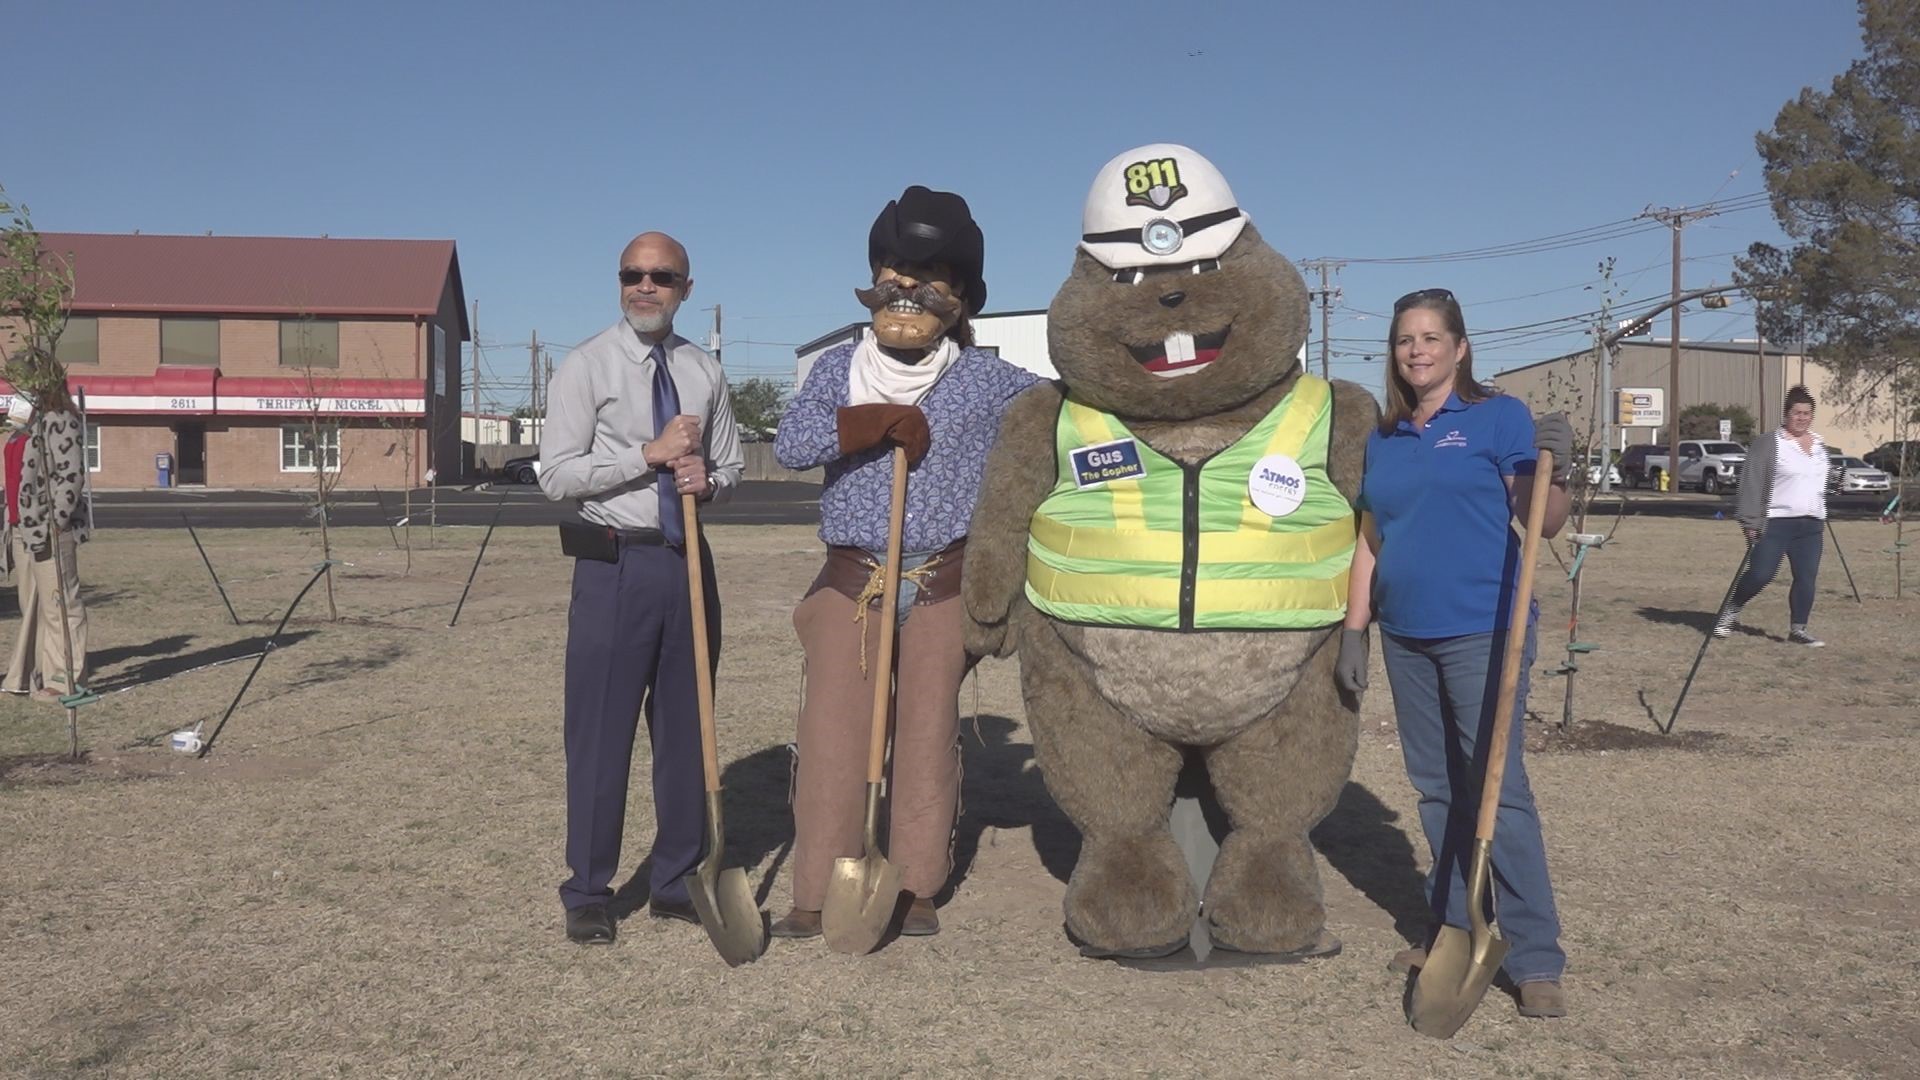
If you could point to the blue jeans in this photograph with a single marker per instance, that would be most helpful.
(1799, 539)
(1444, 692)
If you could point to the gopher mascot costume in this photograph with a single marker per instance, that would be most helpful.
(1164, 535)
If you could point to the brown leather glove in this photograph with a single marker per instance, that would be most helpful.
(864, 426)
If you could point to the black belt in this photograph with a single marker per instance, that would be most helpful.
(641, 537)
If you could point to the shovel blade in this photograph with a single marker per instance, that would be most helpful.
(727, 912)
(861, 897)
(723, 900)
(1459, 968)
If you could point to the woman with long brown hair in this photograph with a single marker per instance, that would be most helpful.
(1449, 468)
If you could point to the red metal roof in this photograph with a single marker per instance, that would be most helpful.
(247, 275)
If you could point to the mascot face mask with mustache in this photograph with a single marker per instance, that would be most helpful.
(926, 253)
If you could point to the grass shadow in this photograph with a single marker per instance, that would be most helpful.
(167, 667)
(1701, 621)
(1001, 788)
(326, 671)
(1362, 841)
(101, 659)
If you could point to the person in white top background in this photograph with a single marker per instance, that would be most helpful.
(1783, 510)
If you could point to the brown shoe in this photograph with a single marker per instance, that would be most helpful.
(1406, 960)
(921, 920)
(1542, 998)
(796, 923)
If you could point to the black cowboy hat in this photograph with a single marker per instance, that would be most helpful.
(924, 226)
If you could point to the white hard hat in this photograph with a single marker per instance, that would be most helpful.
(1159, 204)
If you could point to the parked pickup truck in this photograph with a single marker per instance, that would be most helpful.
(1710, 465)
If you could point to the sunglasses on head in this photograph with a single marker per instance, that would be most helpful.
(1420, 296)
(666, 279)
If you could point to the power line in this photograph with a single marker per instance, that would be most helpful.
(1593, 234)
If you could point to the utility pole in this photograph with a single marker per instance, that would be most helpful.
(533, 374)
(713, 340)
(1676, 220)
(1760, 345)
(1609, 405)
(474, 327)
(1325, 296)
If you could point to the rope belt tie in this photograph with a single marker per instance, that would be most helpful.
(876, 587)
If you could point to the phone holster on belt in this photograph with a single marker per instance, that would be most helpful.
(586, 540)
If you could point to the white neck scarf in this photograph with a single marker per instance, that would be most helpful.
(875, 378)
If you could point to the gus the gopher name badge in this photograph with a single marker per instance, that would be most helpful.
(1277, 485)
(1107, 462)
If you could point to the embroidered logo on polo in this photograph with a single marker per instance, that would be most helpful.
(1154, 183)
(1451, 438)
(1106, 462)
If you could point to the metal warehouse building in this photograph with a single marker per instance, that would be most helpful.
(1732, 373)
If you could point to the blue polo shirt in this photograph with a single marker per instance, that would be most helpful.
(1438, 494)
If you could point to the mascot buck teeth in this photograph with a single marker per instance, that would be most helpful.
(1164, 536)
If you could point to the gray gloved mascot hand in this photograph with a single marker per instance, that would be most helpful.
(1553, 433)
(1350, 668)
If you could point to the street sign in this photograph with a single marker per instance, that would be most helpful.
(1726, 431)
(1642, 407)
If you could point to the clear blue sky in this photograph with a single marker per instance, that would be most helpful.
(767, 135)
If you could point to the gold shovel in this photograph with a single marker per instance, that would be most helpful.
(1460, 965)
(721, 897)
(863, 892)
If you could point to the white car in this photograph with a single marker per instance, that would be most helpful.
(1593, 470)
(1857, 475)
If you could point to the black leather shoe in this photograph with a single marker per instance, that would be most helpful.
(590, 925)
(668, 909)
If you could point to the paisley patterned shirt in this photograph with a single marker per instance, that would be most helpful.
(963, 414)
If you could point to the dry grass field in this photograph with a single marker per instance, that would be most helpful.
(361, 880)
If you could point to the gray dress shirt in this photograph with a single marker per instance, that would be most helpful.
(600, 417)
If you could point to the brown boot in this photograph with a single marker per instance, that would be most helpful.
(797, 923)
(1406, 960)
(1542, 998)
(921, 920)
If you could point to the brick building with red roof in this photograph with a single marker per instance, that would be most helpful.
(224, 351)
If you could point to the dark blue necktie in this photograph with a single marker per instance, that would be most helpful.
(666, 406)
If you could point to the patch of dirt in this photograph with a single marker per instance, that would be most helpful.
(1599, 735)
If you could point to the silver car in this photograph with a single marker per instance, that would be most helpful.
(1857, 475)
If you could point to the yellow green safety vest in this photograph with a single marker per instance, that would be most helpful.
(1129, 537)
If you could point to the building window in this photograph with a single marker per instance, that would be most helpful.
(80, 342)
(309, 343)
(190, 341)
(299, 452)
(93, 448)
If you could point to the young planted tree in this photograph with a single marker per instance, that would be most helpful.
(319, 442)
(36, 295)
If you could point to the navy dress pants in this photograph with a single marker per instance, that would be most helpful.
(629, 651)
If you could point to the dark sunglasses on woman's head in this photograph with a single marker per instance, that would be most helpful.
(666, 279)
(1419, 296)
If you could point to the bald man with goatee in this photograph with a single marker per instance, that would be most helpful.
(637, 416)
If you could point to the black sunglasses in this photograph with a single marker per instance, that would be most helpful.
(666, 279)
(1420, 296)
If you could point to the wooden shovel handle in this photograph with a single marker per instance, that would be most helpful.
(889, 597)
(1515, 650)
(702, 660)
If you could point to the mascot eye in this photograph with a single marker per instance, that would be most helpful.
(1206, 266)
(1129, 277)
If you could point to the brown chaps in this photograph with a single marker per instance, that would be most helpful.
(923, 786)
